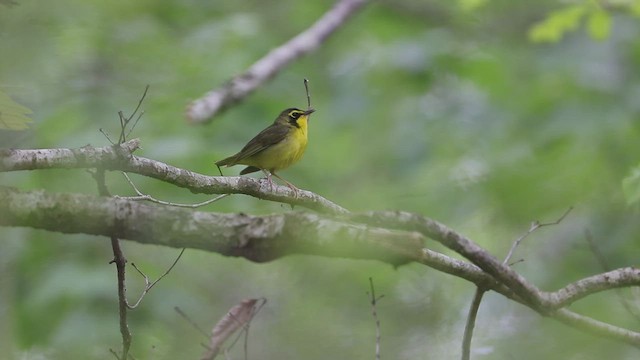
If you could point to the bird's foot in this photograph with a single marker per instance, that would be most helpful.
(292, 187)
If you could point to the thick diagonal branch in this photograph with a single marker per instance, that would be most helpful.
(264, 238)
(236, 89)
(257, 238)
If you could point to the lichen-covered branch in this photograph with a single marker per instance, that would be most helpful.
(119, 157)
(236, 89)
(264, 238)
(84, 157)
(393, 237)
(257, 238)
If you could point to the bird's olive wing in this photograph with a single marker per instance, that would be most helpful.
(266, 138)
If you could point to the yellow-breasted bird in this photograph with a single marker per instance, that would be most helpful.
(276, 147)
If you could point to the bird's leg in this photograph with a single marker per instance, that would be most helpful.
(269, 180)
(290, 185)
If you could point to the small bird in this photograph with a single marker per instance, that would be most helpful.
(275, 148)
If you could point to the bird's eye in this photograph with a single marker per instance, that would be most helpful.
(295, 114)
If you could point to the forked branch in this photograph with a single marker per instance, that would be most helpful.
(119, 158)
(265, 238)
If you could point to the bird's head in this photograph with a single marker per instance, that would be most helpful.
(294, 117)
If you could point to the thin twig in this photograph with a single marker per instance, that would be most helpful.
(148, 285)
(534, 226)
(480, 290)
(374, 301)
(106, 136)
(120, 261)
(237, 318)
(604, 264)
(118, 255)
(236, 89)
(193, 323)
(142, 196)
(245, 328)
(124, 121)
(306, 89)
(137, 119)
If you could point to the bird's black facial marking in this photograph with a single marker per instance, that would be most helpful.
(294, 115)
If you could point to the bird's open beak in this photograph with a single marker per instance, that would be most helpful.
(309, 112)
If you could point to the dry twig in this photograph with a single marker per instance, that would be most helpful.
(148, 284)
(374, 301)
(604, 264)
(142, 196)
(480, 291)
(118, 255)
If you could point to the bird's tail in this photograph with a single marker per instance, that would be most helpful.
(230, 161)
(249, 169)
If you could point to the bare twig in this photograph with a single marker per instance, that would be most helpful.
(533, 227)
(306, 89)
(147, 197)
(604, 264)
(120, 261)
(374, 301)
(137, 118)
(147, 284)
(479, 293)
(190, 321)
(239, 87)
(124, 121)
(260, 302)
(104, 132)
(118, 255)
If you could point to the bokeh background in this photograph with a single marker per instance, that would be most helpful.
(485, 115)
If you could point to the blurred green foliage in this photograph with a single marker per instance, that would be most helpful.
(444, 108)
(596, 14)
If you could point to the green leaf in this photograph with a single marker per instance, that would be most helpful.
(631, 186)
(557, 23)
(599, 25)
(13, 116)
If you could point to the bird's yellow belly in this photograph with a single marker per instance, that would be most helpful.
(282, 154)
